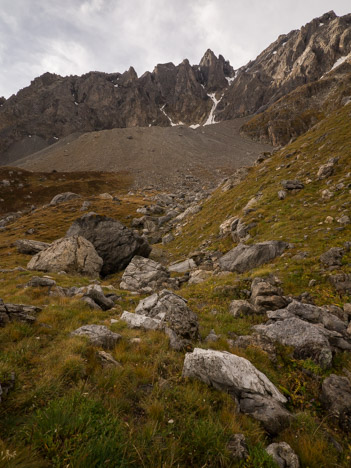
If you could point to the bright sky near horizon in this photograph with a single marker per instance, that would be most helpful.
(72, 37)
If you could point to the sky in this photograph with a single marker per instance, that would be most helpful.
(72, 37)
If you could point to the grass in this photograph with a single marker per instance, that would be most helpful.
(66, 410)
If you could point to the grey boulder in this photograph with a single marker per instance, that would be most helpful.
(72, 255)
(95, 293)
(283, 455)
(241, 308)
(141, 321)
(336, 398)
(63, 197)
(30, 247)
(17, 312)
(266, 296)
(246, 257)
(144, 275)
(115, 243)
(98, 335)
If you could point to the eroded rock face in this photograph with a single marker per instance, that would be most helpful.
(70, 254)
(114, 242)
(246, 257)
(144, 275)
(98, 335)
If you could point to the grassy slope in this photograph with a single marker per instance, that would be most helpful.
(67, 411)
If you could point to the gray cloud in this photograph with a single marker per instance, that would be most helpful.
(77, 36)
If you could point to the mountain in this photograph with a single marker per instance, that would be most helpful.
(53, 107)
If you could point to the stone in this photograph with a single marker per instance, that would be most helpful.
(341, 282)
(292, 184)
(333, 257)
(336, 398)
(266, 409)
(246, 257)
(167, 238)
(282, 194)
(230, 373)
(228, 225)
(241, 308)
(199, 276)
(182, 267)
(326, 170)
(71, 255)
(266, 296)
(41, 282)
(85, 205)
(283, 455)
(144, 275)
(63, 197)
(141, 321)
(114, 242)
(173, 311)
(17, 312)
(237, 447)
(90, 303)
(98, 335)
(105, 196)
(30, 247)
(96, 293)
(188, 212)
(212, 337)
(107, 360)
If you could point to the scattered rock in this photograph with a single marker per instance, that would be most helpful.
(114, 242)
(283, 455)
(71, 255)
(336, 398)
(41, 282)
(105, 196)
(17, 312)
(241, 308)
(282, 194)
(95, 293)
(141, 321)
(63, 197)
(246, 257)
(292, 184)
(182, 267)
(167, 238)
(199, 276)
(98, 335)
(106, 360)
(212, 337)
(326, 170)
(30, 247)
(266, 296)
(144, 275)
(332, 257)
(341, 282)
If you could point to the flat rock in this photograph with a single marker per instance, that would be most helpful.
(141, 321)
(71, 255)
(63, 197)
(144, 275)
(98, 335)
(30, 247)
(292, 184)
(115, 243)
(246, 257)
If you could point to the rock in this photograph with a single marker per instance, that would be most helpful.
(266, 296)
(283, 455)
(241, 308)
(228, 225)
(246, 257)
(309, 341)
(144, 275)
(96, 293)
(105, 196)
(90, 303)
(63, 197)
(326, 170)
(114, 242)
(212, 337)
(30, 247)
(41, 282)
(292, 184)
(333, 257)
(199, 276)
(188, 212)
(270, 412)
(85, 205)
(98, 335)
(167, 238)
(257, 341)
(336, 398)
(182, 267)
(347, 309)
(230, 373)
(282, 194)
(237, 447)
(252, 203)
(17, 312)
(71, 255)
(141, 321)
(344, 220)
(341, 282)
(106, 360)
(173, 311)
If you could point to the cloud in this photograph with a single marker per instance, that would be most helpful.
(76, 36)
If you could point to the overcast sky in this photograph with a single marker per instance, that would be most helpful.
(76, 36)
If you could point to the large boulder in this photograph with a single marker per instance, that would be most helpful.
(173, 311)
(72, 255)
(266, 296)
(144, 275)
(255, 393)
(246, 257)
(96, 294)
(115, 243)
(98, 335)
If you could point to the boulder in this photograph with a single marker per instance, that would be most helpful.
(336, 398)
(173, 311)
(292, 184)
(114, 242)
(246, 257)
(326, 170)
(106, 360)
(341, 282)
(199, 276)
(98, 335)
(283, 455)
(95, 293)
(144, 275)
(182, 267)
(282, 194)
(17, 312)
(41, 282)
(332, 257)
(72, 255)
(30, 247)
(266, 296)
(237, 447)
(63, 197)
(141, 321)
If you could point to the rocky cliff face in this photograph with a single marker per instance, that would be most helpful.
(54, 106)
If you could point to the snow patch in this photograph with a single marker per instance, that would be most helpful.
(116, 85)
(76, 103)
(284, 43)
(340, 61)
(194, 126)
(274, 52)
(230, 80)
(211, 118)
(168, 117)
(321, 24)
(55, 138)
